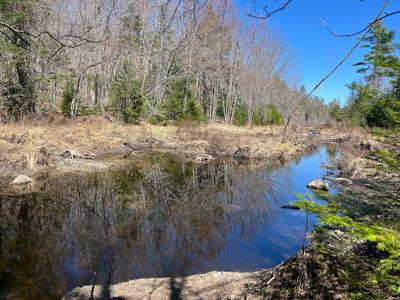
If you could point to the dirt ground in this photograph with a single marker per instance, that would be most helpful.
(213, 285)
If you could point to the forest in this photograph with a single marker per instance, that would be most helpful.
(173, 61)
(174, 149)
(147, 60)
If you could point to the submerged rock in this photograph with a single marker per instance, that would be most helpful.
(318, 184)
(292, 207)
(22, 179)
(339, 180)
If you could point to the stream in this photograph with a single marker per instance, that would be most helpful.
(156, 217)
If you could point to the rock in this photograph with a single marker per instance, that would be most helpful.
(22, 179)
(318, 184)
(339, 180)
(204, 158)
(327, 166)
(292, 207)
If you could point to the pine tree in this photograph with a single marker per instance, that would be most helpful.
(378, 62)
(335, 111)
(68, 95)
(125, 92)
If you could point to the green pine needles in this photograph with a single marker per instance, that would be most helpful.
(387, 270)
(126, 95)
(68, 95)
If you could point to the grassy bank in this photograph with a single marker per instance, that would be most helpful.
(32, 147)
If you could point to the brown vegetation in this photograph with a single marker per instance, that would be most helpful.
(34, 146)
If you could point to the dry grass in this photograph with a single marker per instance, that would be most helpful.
(31, 145)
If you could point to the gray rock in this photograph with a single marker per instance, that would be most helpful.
(22, 179)
(328, 166)
(339, 180)
(318, 184)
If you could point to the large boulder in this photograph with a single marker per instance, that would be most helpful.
(22, 179)
(318, 184)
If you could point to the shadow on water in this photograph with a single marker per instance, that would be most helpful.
(176, 287)
(158, 218)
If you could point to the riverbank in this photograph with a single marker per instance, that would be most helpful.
(213, 285)
(89, 143)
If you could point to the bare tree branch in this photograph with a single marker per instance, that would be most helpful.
(365, 28)
(268, 13)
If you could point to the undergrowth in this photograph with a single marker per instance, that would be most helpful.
(383, 277)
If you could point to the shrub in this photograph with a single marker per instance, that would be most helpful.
(240, 117)
(387, 239)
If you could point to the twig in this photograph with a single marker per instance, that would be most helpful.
(268, 14)
(365, 28)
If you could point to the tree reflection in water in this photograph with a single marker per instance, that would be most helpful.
(162, 218)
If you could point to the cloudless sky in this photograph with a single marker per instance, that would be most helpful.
(316, 50)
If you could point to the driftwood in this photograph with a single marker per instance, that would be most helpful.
(75, 154)
(204, 158)
(336, 139)
(109, 118)
(142, 145)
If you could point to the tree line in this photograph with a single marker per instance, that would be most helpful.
(160, 60)
(374, 100)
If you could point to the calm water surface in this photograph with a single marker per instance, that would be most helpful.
(160, 217)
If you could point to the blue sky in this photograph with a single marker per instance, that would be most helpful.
(316, 50)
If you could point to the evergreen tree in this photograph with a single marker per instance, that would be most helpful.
(68, 95)
(335, 112)
(360, 103)
(378, 62)
(125, 92)
(369, 104)
(385, 113)
(273, 116)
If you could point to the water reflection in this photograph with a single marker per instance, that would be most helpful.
(162, 217)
